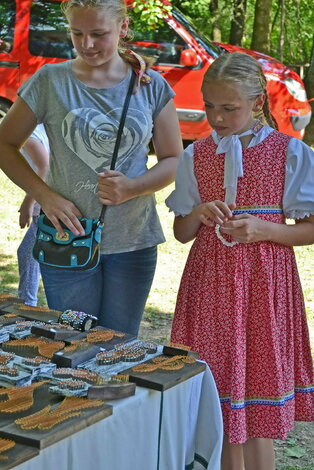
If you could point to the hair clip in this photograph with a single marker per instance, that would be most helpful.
(140, 69)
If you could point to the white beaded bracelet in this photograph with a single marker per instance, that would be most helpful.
(222, 239)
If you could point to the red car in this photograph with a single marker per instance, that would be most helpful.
(35, 33)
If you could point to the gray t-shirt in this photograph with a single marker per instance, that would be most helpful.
(81, 123)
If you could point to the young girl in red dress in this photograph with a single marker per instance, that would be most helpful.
(240, 302)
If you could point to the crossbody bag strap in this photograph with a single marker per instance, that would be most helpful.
(119, 134)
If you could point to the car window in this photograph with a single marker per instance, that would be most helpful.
(213, 49)
(7, 15)
(48, 34)
(162, 44)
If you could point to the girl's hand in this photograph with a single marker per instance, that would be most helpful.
(246, 228)
(214, 212)
(208, 213)
(114, 188)
(58, 209)
(26, 212)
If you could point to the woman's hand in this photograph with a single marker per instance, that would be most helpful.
(114, 188)
(58, 209)
(214, 212)
(246, 228)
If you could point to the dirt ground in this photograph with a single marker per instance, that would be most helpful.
(295, 453)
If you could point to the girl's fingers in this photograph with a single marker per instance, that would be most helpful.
(108, 174)
(72, 224)
(237, 221)
(232, 224)
(206, 221)
(241, 216)
(219, 214)
(68, 217)
(215, 212)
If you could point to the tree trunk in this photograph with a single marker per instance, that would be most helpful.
(238, 22)
(261, 28)
(309, 86)
(214, 13)
(282, 29)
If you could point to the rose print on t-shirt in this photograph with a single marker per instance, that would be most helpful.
(91, 135)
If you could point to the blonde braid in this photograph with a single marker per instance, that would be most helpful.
(271, 121)
(264, 115)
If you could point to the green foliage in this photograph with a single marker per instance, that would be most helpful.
(299, 20)
(194, 9)
(199, 13)
(152, 12)
(7, 19)
(298, 31)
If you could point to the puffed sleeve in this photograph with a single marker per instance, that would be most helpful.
(298, 200)
(186, 194)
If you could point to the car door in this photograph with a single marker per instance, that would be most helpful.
(48, 39)
(9, 65)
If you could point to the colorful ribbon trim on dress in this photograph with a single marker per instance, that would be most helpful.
(276, 401)
(263, 209)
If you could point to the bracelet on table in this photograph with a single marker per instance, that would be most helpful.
(35, 361)
(78, 320)
(72, 384)
(134, 356)
(6, 357)
(151, 347)
(9, 371)
(105, 358)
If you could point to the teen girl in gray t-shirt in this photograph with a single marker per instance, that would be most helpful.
(80, 103)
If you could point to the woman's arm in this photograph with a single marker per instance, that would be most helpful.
(246, 228)
(115, 188)
(15, 129)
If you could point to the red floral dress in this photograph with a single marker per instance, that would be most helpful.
(242, 307)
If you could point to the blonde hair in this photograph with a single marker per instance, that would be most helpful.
(118, 10)
(116, 7)
(247, 73)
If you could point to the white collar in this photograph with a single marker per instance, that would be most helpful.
(232, 147)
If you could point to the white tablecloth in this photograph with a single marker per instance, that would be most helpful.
(179, 429)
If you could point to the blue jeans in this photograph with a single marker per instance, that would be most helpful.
(115, 291)
(28, 268)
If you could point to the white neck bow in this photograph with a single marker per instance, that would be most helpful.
(231, 145)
